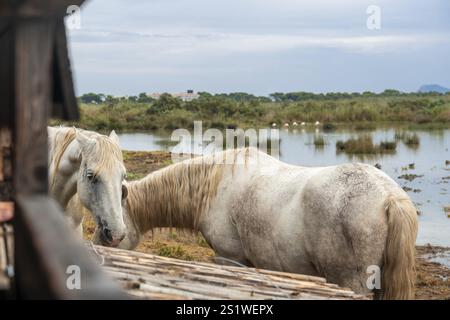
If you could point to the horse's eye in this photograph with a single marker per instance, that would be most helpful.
(91, 177)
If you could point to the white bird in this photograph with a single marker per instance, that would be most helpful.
(303, 123)
(317, 123)
(295, 124)
(274, 125)
(286, 125)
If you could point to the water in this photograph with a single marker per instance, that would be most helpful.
(431, 191)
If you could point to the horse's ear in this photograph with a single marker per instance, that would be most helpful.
(84, 140)
(114, 137)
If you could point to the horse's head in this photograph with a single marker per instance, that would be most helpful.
(99, 185)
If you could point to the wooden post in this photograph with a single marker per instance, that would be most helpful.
(33, 84)
(6, 153)
(7, 107)
(64, 101)
(35, 71)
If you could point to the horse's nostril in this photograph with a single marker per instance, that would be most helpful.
(122, 237)
(108, 234)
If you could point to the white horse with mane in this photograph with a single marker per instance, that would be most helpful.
(333, 222)
(91, 165)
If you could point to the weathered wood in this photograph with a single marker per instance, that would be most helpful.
(47, 248)
(37, 8)
(33, 85)
(6, 179)
(65, 104)
(148, 276)
(6, 71)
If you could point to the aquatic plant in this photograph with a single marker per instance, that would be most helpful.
(364, 145)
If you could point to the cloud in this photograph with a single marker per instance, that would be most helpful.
(232, 43)
(128, 44)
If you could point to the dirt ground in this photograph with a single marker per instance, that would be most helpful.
(433, 279)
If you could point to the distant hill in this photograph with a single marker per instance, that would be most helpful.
(433, 88)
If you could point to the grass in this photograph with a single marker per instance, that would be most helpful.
(134, 176)
(364, 145)
(410, 176)
(363, 113)
(409, 139)
(387, 146)
(412, 140)
(172, 251)
(319, 141)
(365, 126)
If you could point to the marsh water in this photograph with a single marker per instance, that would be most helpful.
(429, 190)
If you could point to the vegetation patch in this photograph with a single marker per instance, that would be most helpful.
(329, 127)
(364, 145)
(410, 176)
(363, 111)
(172, 251)
(319, 142)
(409, 139)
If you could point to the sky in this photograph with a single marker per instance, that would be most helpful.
(259, 46)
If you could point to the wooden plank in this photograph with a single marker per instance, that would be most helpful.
(6, 71)
(45, 241)
(65, 104)
(33, 85)
(147, 276)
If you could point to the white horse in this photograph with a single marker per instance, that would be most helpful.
(91, 165)
(338, 222)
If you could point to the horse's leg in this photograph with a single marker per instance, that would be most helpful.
(224, 239)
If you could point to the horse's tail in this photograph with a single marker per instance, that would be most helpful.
(398, 271)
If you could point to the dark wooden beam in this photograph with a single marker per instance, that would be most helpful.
(50, 249)
(33, 87)
(6, 71)
(65, 104)
(37, 8)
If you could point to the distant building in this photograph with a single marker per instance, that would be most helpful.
(189, 95)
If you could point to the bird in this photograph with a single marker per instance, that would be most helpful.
(274, 125)
(286, 125)
(303, 123)
(295, 124)
(317, 123)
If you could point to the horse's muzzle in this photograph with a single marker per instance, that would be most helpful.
(108, 239)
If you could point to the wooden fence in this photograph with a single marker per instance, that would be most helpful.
(146, 276)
